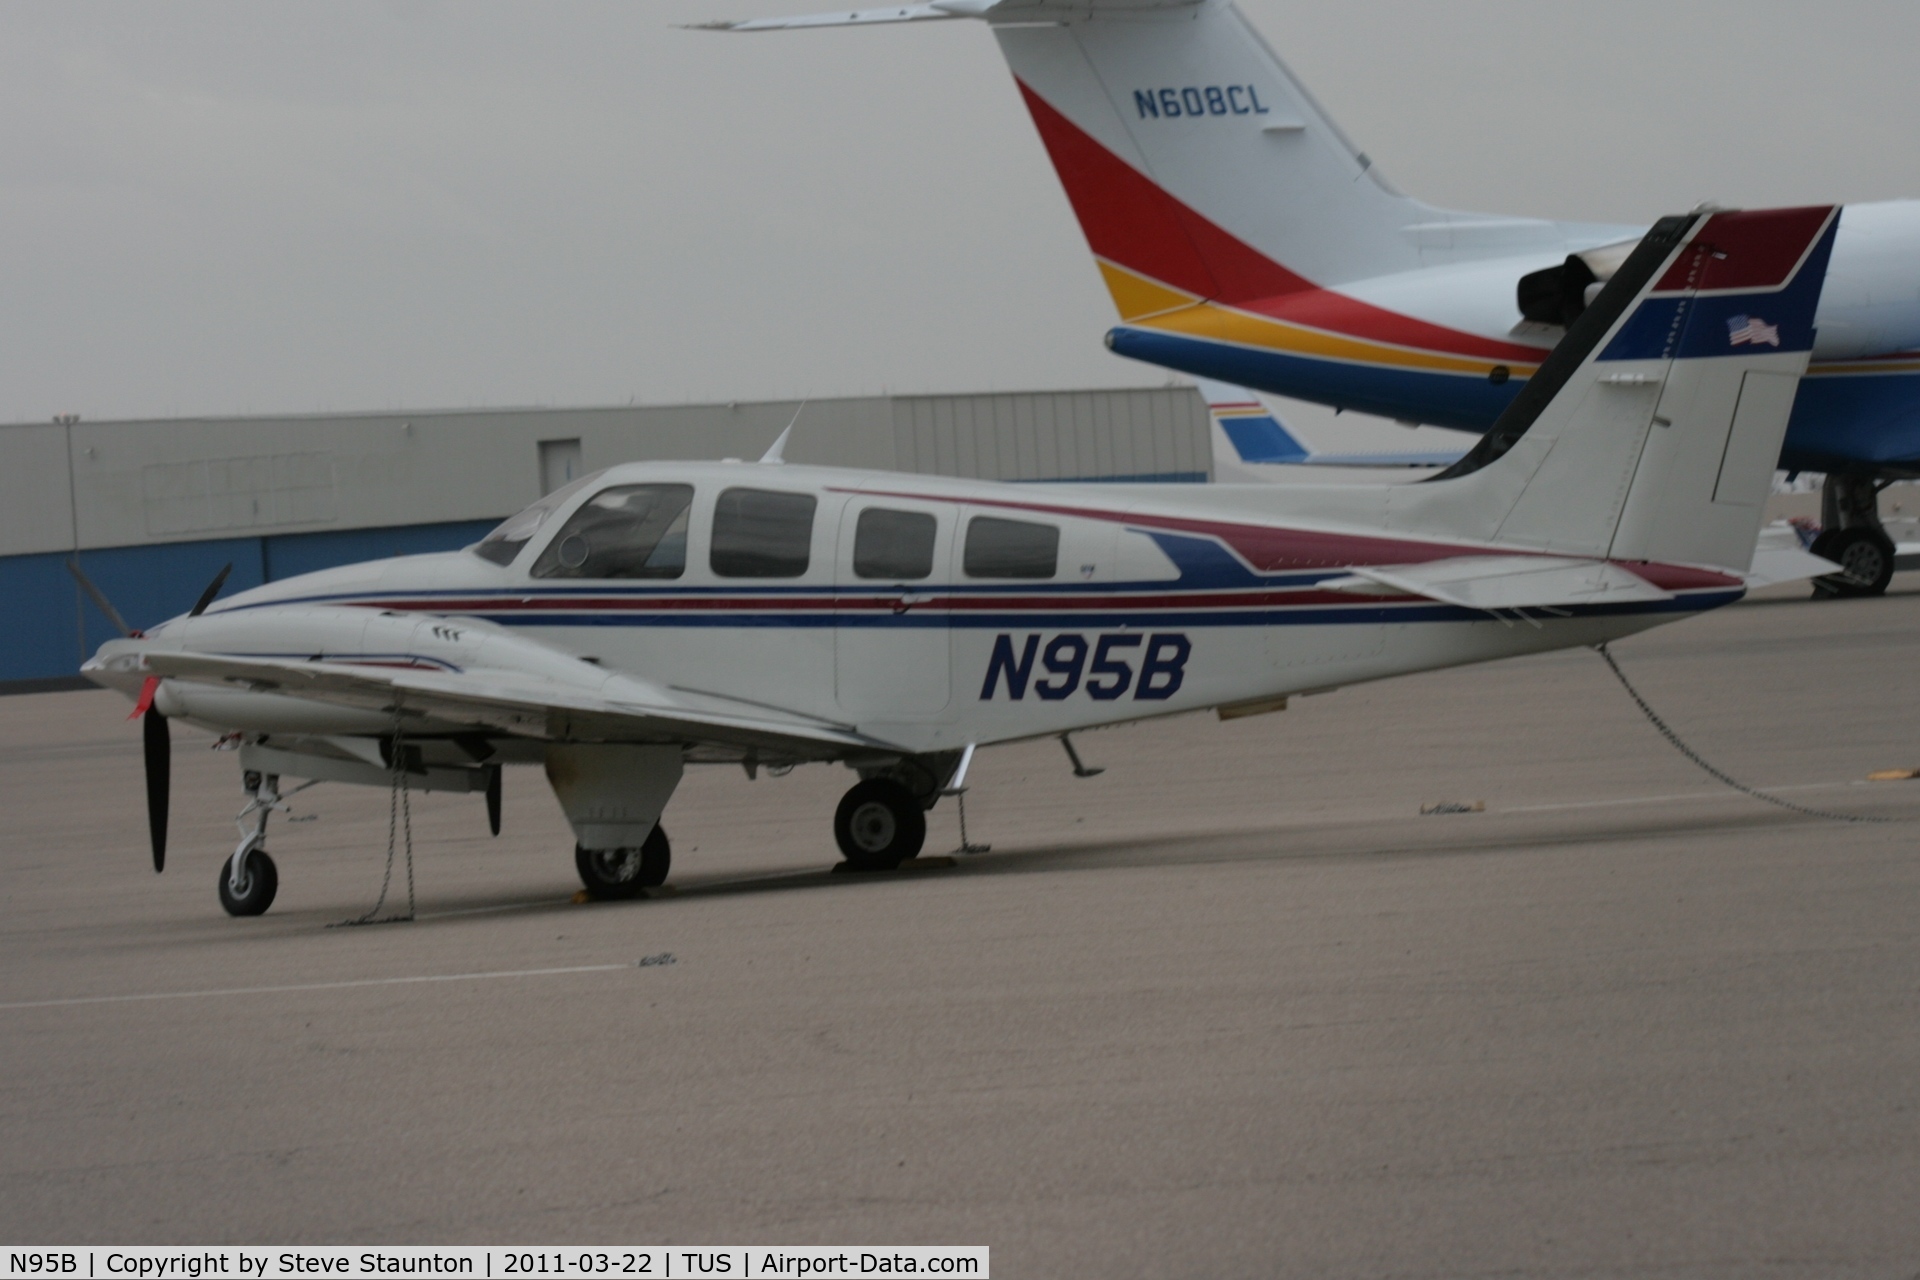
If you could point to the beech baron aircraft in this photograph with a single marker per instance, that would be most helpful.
(656, 615)
(1244, 238)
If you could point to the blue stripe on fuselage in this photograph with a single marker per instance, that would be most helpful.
(1840, 422)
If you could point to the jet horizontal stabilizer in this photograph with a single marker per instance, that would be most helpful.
(1508, 582)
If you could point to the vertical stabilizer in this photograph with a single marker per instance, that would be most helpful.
(1201, 168)
(1650, 433)
(1245, 430)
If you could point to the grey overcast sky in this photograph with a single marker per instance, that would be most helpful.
(211, 208)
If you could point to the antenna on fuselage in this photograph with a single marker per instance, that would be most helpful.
(776, 453)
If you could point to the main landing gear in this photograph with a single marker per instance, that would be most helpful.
(879, 825)
(623, 873)
(1852, 537)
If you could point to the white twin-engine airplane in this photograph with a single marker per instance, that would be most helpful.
(660, 614)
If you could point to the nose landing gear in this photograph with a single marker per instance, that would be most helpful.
(253, 893)
(249, 879)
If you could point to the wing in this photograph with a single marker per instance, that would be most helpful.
(620, 709)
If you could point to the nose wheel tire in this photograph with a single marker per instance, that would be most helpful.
(1865, 557)
(255, 895)
(879, 825)
(623, 873)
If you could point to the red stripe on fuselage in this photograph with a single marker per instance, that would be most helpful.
(1129, 219)
(1266, 548)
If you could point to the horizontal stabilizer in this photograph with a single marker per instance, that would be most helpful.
(1509, 582)
(1775, 564)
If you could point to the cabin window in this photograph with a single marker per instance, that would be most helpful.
(999, 548)
(626, 531)
(502, 546)
(758, 533)
(893, 544)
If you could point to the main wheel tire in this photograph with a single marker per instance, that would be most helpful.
(1865, 555)
(879, 825)
(256, 895)
(622, 873)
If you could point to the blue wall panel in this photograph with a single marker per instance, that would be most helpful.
(50, 627)
(151, 584)
(40, 638)
(291, 554)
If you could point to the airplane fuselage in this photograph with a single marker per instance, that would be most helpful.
(920, 612)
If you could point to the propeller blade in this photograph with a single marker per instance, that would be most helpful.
(159, 750)
(493, 800)
(213, 589)
(99, 597)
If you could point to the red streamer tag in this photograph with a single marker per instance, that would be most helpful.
(141, 707)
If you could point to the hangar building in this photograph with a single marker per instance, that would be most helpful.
(154, 508)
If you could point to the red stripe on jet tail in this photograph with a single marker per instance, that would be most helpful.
(1129, 219)
(1747, 250)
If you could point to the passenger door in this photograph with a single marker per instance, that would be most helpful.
(891, 639)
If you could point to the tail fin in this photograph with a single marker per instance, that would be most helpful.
(1200, 168)
(1651, 432)
(1246, 430)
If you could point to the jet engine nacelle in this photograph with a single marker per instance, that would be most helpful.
(1557, 295)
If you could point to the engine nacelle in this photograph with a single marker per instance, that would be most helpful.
(1557, 295)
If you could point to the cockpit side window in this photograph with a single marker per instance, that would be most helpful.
(761, 533)
(626, 531)
(503, 545)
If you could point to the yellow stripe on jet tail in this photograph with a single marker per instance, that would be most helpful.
(1137, 297)
(1153, 305)
(1223, 324)
(1870, 365)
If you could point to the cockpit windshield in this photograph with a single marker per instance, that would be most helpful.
(504, 543)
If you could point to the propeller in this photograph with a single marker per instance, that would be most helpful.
(158, 742)
(213, 589)
(156, 737)
(493, 799)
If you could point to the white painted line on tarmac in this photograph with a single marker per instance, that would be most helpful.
(316, 986)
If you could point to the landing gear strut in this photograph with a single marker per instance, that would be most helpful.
(879, 825)
(1852, 537)
(623, 873)
(249, 879)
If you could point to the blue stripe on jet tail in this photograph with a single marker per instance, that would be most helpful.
(1466, 402)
